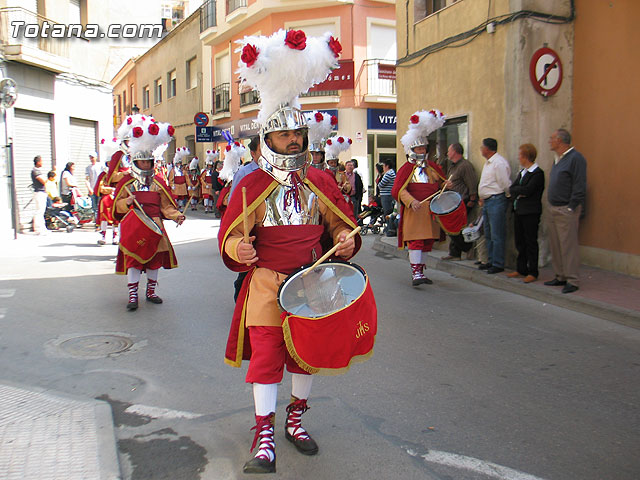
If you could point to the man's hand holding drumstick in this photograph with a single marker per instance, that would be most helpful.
(245, 250)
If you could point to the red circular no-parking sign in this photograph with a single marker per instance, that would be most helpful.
(545, 71)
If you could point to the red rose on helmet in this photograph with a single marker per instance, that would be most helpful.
(137, 132)
(154, 129)
(102, 141)
(340, 140)
(171, 130)
(329, 142)
(228, 148)
(415, 119)
(237, 144)
(350, 141)
(335, 46)
(296, 39)
(319, 117)
(129, 121)
(249, 54)
(334, 120)
(432, 112)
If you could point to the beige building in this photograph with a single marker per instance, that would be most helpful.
(167, 82)
(472, 59)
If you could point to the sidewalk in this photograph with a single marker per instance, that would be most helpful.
(55, 436)
(608, 295)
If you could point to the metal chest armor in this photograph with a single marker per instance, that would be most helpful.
(420, 175)
(281, 207)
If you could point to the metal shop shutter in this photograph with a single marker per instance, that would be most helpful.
(82, 141)
(32, 136)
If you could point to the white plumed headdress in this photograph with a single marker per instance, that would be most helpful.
(212, 156)
(232, 160)
(181, 152)
(194, 163)
(421, 125)
(335, 145)
(320, 127)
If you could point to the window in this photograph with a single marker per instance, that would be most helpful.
(157, 91)
(145, 97)
(124, 100)
(192, 72)
(455, 130)
(119, 105)
(424, 8)
(171, 84)
(131, 91)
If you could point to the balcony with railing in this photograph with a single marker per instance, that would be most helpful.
(252, 97)
(235, 9)
(221, 98)
(28, 45)
(208, 22)
(377, 80)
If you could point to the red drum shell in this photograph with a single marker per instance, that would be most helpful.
(452, 220)
(139, 236)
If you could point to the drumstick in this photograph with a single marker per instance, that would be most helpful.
(245, 215)
(126, 189)
(438, 192)
(332, 251)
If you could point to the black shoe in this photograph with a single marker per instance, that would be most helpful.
(306, 447)
(259, 465)
(155, 299)
(484, 266)
(569, 288)
(555, 282)
(477, 262)
(392, 233)
(131, 306)
(427, 281)
(493, 270)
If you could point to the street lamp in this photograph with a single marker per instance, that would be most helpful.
(135, 110)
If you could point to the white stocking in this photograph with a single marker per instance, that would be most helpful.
(152, 274)
(265, 397)
(133, 275)
(103, 225)
(415, 257)
(301, 385)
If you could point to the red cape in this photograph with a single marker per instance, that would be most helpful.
(126, 180)
(403, 177)
(259, 185)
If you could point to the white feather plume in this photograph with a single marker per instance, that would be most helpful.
(181, 152)
(281, 73)
(149, 135)
(319, 131)
(427, 122)
(232, 160)
(108, 148)
(194, 163)
(159, 151)
(212, 156)
(336, 145)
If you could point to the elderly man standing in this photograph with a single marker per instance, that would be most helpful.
(493, 191)
(465, 182)
(566, 194)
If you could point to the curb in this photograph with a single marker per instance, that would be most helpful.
(107, 456)
(605, 311)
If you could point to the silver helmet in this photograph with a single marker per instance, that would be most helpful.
(143, 176)
(419, 159)
(280, 165)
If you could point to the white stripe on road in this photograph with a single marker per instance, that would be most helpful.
(157, 412)
(473, 464)
(7, 292)
(3, 313)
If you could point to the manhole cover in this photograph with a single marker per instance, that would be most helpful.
(96, 346)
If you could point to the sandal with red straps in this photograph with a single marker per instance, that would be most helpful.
(294, 432)
(265, 459)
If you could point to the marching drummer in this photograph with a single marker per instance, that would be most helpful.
(206, 180)
(193, 183)
(177, 178)
(289, 207)
(142, 188)
(417, 181)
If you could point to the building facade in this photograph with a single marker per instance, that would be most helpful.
(507, 69)
(361, 93)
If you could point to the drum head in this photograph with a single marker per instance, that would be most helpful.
(153, 226)
(326, 289)
(445, 202)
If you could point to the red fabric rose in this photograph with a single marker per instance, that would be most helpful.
(335, 46)
(153, 129)
(115, 139)
(334, 120)
(228, 148)
(137, 132)
(143, 119)
(102, 141)
(319, 117)
(129, 120)
(340, 140)
(329, 142)
(249, 54)
(237, 144)
(171, 130)
(350, 141)
(432, 112)
(296, 39)
(415, 119)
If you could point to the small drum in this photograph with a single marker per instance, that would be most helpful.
(449, 210)
(139, 236)
(472, 233)
(330, 317)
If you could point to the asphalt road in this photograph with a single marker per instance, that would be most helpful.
(466, 382)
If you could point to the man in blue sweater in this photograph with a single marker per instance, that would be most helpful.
(566, 194)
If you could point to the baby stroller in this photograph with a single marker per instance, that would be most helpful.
(371, 219)
(57, 218)
(82, 208)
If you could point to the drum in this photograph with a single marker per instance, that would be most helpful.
(139, 236)
(450, 212)
(330, 318)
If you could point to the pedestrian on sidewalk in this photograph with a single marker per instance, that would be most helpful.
(357, 188)
(526, 190)
(92, 172)
(51, 187)
(38, 181)
(463, 180)
(67, 183)
(566, 195)
(418, 179)
(385, 185)
(493, 191)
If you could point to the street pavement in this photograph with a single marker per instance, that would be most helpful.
(467, 382)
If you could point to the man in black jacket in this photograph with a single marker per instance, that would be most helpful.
(357, 188)
(566, 194)
(526, 190)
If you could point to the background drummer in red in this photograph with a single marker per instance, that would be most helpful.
(177, 178)
(193, 184)
(153, 194)
(417, 180)
(290, 206)
(206, 181)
